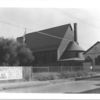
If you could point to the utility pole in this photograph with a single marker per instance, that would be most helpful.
(24, 38)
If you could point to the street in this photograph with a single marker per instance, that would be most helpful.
(59, 87)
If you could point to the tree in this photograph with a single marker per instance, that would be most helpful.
(24, 56)
(13, 53)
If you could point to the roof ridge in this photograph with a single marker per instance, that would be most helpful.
(50, 28)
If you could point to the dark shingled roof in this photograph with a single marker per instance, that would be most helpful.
(36, 41)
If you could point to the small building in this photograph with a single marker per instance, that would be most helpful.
(92, 57)
(57, 46)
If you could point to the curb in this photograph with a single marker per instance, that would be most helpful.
(89, 77)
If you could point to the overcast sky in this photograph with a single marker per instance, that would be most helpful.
(14, 20)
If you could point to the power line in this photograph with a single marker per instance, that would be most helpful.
(4, 22)
(53, 36)
(11, 24)
(24, 39)
(68, 14)
(74, 17)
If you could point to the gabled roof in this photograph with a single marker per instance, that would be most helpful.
(37, 41)
(92, 47)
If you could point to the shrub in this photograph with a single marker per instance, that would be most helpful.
(55, 75)
(45, 76)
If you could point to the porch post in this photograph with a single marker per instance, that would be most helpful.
(93, 63)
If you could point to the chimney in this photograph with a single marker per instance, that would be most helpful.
(75, 32)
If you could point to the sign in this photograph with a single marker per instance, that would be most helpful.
(11, 73)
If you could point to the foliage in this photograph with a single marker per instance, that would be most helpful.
(13, 53)
(44, 76)
(60, 75)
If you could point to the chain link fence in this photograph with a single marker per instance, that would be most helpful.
(56, 68)
(45, 71)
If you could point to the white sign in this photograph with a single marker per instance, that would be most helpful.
(10, 73)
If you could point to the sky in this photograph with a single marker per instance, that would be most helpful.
(13, 22)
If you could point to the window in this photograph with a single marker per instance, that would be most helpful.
(97, 60)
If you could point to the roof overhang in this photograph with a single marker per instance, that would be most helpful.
(73, 59)
(73, 46)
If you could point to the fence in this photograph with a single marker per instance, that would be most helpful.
(56, 68)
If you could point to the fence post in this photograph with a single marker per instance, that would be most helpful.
(61, 68)
(31, 72)
(48, 68)
(71, 68)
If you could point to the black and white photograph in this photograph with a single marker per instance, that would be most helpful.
(49, 50)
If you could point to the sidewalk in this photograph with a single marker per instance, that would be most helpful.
(13, 85)
(51, 86)
(24, 84)
(62, 87)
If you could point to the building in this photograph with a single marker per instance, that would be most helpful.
(57, 46)
(92, 57)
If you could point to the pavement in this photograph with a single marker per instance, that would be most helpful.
(51, 86)
(26, 84)
(59, 86)
(22, 84)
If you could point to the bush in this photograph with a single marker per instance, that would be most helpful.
(63, 75)
(66, 74)
(82, 74)
(45, 76)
